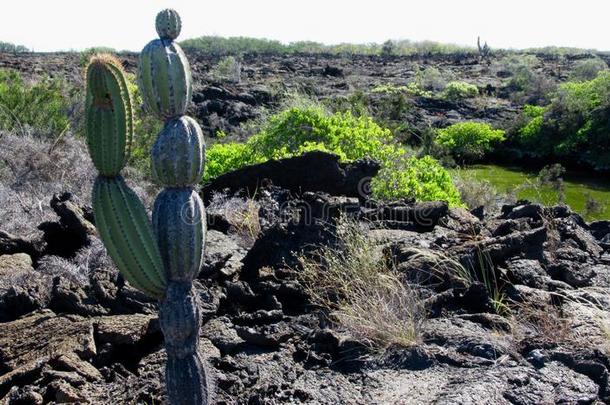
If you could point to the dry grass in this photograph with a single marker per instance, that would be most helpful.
(541, 322)
(362, 291)
(241, 213)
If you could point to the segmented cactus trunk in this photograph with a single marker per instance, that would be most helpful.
(164, 78)
(161, 258)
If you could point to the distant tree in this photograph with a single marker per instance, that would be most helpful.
(388, 48)
(12, 48)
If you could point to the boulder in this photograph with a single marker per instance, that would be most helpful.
(312, 171)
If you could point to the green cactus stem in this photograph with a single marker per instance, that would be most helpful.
(178, 153)
(126, 231)
(109, 115)
(164, 78)
(179, 223)
(168, 24)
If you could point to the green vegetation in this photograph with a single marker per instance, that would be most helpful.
(240, 45)
(456, 91)
(574, 125)
(581, 192)
(40, 106)
(12, 48)
(469, 141)
(295, 131)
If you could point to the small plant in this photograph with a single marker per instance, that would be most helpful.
(455, 91)
(476, 193)
(388, 48)
(469, 141)
(552, 176)
(592, 206)
(362, 291)
(228, 68)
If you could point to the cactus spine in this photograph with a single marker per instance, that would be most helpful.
(164, 78)
(120, 216)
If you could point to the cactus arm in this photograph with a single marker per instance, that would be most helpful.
(117, 209)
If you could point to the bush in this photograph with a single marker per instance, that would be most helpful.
(469, 140)
(587, 69)
(228, 68)
(12, 48)
(575, 125)
(41, 105)
(295, 131)
(455, 91)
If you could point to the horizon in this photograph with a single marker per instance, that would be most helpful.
(340, 22)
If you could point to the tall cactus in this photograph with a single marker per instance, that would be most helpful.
(163, 257)
(164, 78)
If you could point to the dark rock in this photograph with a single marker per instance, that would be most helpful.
(222, 255)
(294, 174)
(10, 244)
(600, 229)
(72, 232)
(527, 272)
(424, 215)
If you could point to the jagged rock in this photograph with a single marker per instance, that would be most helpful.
(24, 396)
(294, 174)
(124, 329)
(10, 244)
(14, 267)
(222, 255)
(72, 232)
(44, 334)
(222, 334)
(31, 293)
(72, 363)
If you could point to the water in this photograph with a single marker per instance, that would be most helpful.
(578, 187)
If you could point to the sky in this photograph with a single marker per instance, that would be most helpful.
(51, 25)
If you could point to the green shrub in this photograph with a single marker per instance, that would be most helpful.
(587, 69)
(455, 91)
(535, 118)
(221, 158)
(12, 48)
(295, 131)
(41, 105)
(575, 125)
(469, 140)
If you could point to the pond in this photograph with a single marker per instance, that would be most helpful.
(579, 187)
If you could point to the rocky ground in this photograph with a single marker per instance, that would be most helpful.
(538, 334)
(225, 104)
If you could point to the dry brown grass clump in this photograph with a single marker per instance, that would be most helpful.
(362, 291)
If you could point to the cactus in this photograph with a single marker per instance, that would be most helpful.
(178, 153)
(164, 78)
(127, 234)
(177, 221)
(168, 24)
(121, 218)
(109, 115)
(164, 259)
